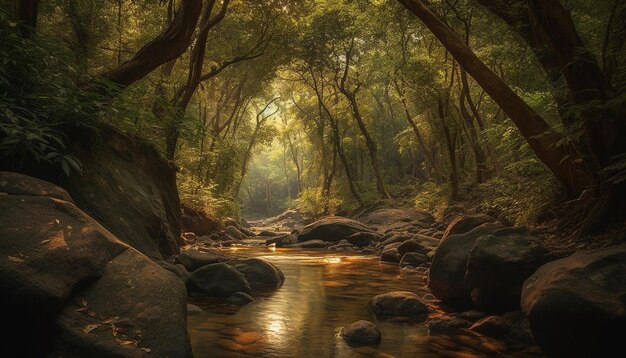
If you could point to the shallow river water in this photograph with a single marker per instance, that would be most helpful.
(323, 291)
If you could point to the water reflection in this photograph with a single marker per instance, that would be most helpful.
(322, 292)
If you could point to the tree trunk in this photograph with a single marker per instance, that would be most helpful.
(549, 146)
(369, 142)
(169, 45)
(480, 122)
(482, 172)
(450, 146)
(27, 11)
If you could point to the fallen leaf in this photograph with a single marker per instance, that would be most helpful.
(46, 241)
(15, 259)
(82, 309)
(57, 221)
(92, 314)
(125, 342)
(147, 350)
(110, 320)
(114, 330)
(90, 327)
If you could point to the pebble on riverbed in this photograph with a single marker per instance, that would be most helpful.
(361, 333)
(240, 299)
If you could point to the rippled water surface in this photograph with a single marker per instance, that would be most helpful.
(323, 291)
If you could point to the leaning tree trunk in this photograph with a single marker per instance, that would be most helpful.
(169, 45)
(549, 146)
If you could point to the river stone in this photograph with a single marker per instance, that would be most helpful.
(396, 238)
(231, 222)
(446, 278)
(177, 269)
(193, 259)
(398, 304)
(362, 239)
(310, 244)
(361, 333)
(332, 228)
(217, 280)
(259, 273)
(465, 223)
(492, 326)
(447, 325)
(193, 310)
(239, 299)
(390, 254)
(576, 306)
(411, 245)
(471, 315)
(234, 233)
(499, 264)
(414, 259)
(281, 241)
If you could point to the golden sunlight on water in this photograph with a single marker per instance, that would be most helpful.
(323, 292)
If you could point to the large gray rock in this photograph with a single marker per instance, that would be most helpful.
(144, 304)
(51, 251)
(193, 259)
(361, 333)
(398, 304)
(447, 273)
(577, 305)
(332, 228)
(129, 189)
(465, 223)
(499, 264)
(259, 273)
(217, 280)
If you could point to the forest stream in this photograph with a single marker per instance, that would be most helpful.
(313, 178)
(323, 291)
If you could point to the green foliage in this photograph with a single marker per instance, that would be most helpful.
(39, 97)
(206, 198)
(313, 201)
(433, 197)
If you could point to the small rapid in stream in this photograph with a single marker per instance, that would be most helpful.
(323, 291)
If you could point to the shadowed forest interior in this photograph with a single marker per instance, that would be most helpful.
(278, 117)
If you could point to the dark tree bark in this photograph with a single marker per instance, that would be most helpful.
(451, 148)
(169, 45)
(369, 141)
(261, 118)
(548, 145)
(420, 139)
(27, 11)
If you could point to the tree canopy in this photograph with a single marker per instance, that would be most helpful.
(334, 106)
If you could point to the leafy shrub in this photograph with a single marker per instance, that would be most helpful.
(40, 95)
(206, 198)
